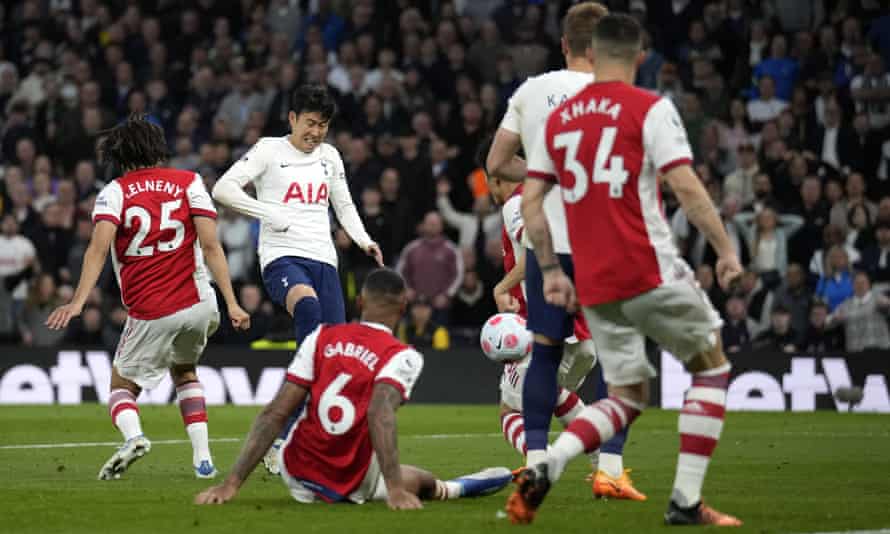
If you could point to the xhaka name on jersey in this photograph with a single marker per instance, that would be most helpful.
(153, 186)
(579, 109)
(351, 350)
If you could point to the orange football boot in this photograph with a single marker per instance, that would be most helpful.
(605, 486)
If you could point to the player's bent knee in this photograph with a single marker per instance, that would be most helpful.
(119, 382)
(708, 359)
(183, 373)
(638, 393)
(298, 293)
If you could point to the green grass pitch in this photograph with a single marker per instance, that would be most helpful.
(779, 472)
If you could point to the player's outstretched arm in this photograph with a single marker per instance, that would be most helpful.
(219, 268)
(701, 212)
(502, 160)
(93, 261)
(385, 400)
(266, 428)
(229, 191)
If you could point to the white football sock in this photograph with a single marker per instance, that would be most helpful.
(611, 464)
(127, 421)
(199, 437)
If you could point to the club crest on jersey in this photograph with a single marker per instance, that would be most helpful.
(306, 194)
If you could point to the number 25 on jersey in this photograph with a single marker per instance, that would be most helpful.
(166, 223)
(607, 168)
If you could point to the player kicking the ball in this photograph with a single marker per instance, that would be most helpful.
(578, 359)
(297, 178)
(605, 147)
(355, 377)
(553, 327)
(160, 226)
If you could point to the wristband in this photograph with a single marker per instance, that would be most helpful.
(549, 267)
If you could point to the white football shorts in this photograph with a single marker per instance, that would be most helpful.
(148, 348)
(372, 488)
(677, 315)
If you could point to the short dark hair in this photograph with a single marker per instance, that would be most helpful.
(579, 23)
(135, 143)
(384, 282)
(311, 98)
(618, 36)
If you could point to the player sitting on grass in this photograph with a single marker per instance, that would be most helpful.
(355, 376)
(154, 219)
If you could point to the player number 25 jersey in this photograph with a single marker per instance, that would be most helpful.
(606, 147)
(340, 365)
(156, 255)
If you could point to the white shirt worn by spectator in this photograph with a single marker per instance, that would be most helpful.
(234, 234)
(294, 190)
(829, 147)
(526, 115)
(878, 112)
(760, 110)
(16, 253)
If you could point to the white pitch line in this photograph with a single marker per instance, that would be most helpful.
(437, 437)
(879, 531)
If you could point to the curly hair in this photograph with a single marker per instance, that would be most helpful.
(133, 144)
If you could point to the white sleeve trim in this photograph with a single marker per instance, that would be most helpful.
(303, 364)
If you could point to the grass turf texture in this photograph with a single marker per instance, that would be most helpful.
(778, 472)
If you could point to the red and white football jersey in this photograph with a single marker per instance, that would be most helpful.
(156, 254)
(340, 365)
(605, 147)
(511, 235)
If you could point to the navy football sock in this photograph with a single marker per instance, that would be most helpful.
(307, 316)
(539, 394)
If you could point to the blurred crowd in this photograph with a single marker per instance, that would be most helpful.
(787, 105)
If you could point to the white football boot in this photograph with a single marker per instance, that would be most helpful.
(130, 451)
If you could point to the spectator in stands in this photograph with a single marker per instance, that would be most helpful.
(815, 213)
(865, 147)
(855, 189)
(832, 141)
(780, 336)
(831, 236)
(483, 218)
(740, 182)
(738, 329)
(704, 275)
(820, 338)
(431, 264)
(766, 106)
(42, 299)
(864, 316)
(836, 285)
(871, 92)
(782, 69)
(396, 207)
(875, 259)
(767, 237)
(420, 330)
(237, 236)
(17, 256)
(239, 103)
(861, 234)
(471, 307)
(795, 296)
(86, 330)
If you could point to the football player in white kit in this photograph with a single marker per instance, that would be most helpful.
(297, 178)
(521, 126)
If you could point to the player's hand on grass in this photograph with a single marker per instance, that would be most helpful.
(216, 494)
(729, 270)
(400, 499)
(374, 251)
(559, 290)
(61, 316)
(240, 318)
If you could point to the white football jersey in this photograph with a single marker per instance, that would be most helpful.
(526, 115)
(300, 187)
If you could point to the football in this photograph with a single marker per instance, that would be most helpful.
(504, 338)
